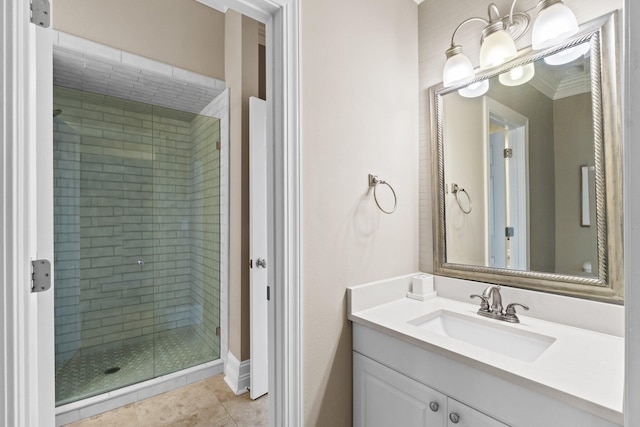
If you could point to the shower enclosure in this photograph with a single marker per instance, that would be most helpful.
(137, 242)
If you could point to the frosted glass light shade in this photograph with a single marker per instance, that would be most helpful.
(496, 49)
(457, 69)
(553, 25)
(475, 89)
(518, 75)
(568, 55)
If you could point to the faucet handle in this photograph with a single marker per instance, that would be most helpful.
(510, 313)
(484, 304)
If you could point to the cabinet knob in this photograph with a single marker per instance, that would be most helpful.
(434, 406)
(454, 417)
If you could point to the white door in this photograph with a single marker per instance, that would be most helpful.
(517, 199)
(508, 199)
(44, 156)
(497, 195)
(42, 337)
(259, 368)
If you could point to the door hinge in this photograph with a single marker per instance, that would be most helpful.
(508, 153)
(41, 13)
(218, 331)
(509, 232)
(40, 275)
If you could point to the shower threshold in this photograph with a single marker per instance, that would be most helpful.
(95, 405)
(94, 383)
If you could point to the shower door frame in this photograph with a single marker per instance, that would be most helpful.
(26, 324)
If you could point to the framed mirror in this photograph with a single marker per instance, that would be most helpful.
(528, 188)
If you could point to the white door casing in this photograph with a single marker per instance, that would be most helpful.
(259, 368)
(26, 171)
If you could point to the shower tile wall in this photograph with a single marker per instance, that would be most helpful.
(172, 210)
(119, 164)
(67, 236)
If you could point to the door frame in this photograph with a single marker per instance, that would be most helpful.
(20, 379)
(631, 174)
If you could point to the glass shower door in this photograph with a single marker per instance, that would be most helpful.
(187, 239)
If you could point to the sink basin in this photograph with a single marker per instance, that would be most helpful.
(485, 333)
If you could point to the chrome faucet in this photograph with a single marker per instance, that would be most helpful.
(491, 306)
(492, 293)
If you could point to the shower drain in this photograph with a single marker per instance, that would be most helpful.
(111, 370)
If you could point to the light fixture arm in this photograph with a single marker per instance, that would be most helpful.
(513, 5)
(466, 21)
(493, 8)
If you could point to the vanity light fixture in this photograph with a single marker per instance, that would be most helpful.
(475, 89)
(555, 22)
(498, 46)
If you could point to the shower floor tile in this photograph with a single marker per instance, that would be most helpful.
(85, 375)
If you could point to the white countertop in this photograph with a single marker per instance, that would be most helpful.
(582, 368)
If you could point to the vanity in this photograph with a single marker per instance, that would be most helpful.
(438, 363)
(526, 161)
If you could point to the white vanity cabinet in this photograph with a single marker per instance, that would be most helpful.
(383, 397)
(396, 380)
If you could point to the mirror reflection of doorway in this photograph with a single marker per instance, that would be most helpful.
(507, 187)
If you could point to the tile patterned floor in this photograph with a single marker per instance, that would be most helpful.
(203, 404)
(83, 376)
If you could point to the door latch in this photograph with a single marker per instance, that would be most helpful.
(40, 275)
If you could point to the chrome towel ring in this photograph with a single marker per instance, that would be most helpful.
(456, 192)
(374, 180)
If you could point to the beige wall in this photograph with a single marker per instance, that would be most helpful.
(175, 32)
(437, 21)
(359, 116)
(241, 46)
(464, 165)
(573, 129)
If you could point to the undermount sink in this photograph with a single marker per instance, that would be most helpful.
(488, 334)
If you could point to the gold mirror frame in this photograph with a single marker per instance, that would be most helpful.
(608, 285)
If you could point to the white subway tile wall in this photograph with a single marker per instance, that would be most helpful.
(86, 65)
(137, 225)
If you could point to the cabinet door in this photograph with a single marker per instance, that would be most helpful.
(460, 415)
(383, 397)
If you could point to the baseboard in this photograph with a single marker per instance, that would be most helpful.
(237, 374)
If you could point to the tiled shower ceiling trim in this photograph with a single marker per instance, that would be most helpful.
(82, 64)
